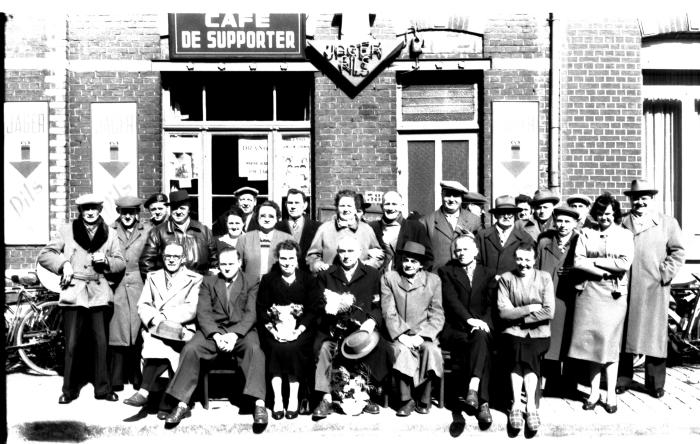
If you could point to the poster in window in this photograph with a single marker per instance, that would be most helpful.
(182, 160)
(296, 159)
(252, 158)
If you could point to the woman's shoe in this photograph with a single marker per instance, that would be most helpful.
(291, 414)
(277, 415)
(515, 419)
(588, 405)
(533, 421)
(609, 408)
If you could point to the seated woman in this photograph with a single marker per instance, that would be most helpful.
(468, 292)
(526, 304)
(167, 308)
(412, 310)
(286, 306)
(256, 248)
(605, 255)
(233, 219)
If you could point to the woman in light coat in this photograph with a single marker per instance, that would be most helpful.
(413, 315)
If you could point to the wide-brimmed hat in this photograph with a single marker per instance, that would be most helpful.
(542, 196)
(641, 187)
(361, 199)
(413, 249)
(579, 198)
(504, 204)
(359, 344)
(169, 330)
(246, 190)
(128, 202)
(566, 211)
(453, 185)
(178, 197)
(158, 197)
(89, 198)
(474, 197)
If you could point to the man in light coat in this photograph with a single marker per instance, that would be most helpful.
(449, 221)
(124, 326)
(82, 253)
(658, 256)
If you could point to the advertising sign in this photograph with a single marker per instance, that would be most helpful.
(252, 158)
(114, 156)
(236, 35)
(26, 172)
(296, 163)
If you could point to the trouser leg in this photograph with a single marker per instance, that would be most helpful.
(73, 318)
(654, 373)
(251, 361)
(186, 378)
(323, 366)
(423, 392)
(404, 386)
(99, 330)
(152, 369)
(625, 370)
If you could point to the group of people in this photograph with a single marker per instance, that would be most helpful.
(343, 310)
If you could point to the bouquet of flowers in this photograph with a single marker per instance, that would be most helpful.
(350, 390)
(337, 302)
(283, 319)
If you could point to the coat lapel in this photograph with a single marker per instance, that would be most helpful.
(495, 240)
(442, 225)
(221, 295)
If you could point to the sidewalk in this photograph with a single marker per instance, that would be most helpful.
(33, 414)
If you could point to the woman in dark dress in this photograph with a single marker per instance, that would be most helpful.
(286, 306)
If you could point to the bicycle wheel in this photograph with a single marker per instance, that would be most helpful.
(40, 339)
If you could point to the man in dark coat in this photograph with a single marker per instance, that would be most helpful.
(449, 221)
(197, 240)
(342, 317)
(497, 243)
(543, 203)
(226, 317)
(298, 224)
(393, 231)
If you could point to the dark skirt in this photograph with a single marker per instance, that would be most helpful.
(290, 359)
(525, 352)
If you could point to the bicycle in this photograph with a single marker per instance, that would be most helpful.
(34, 327)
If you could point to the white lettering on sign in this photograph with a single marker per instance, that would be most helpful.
(250, 39)
(236, 20)
(191, 39)
(252, 158)
(373, 197)
(354, 59)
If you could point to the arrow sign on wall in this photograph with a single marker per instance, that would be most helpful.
(25, 167)
(515, 167)
(114, 167)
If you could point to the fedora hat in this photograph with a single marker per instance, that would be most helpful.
(579, 198)
(169, 330)
(359, 344)
(90, 198)
(542, 196)
(413, 249)
(504, 204)
(566, 211)
(179, 197)
(128, 202)
(453, 185)
(640, 186)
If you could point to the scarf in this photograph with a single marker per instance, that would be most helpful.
(82, 237)
(352, 225)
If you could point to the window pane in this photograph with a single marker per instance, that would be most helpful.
(239, 96)
(232, 155)
(447, 97)
(294, 96)
(185, 91)
(455, 161)
(421, 176)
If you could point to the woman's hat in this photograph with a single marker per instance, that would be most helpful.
(566, 211)
(413, 249)
(359, 344)
(542, 196)
(640, 187)
(179, 197)
(504, 204)
(169, 330)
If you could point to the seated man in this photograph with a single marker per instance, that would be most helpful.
(412, 308)
(167, 308)
(226, 318)
(360, 283)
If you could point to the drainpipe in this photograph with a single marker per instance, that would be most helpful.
(554, 105)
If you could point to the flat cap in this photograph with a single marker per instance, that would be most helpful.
(246, 190)
(473, 196)
(579, 198)
(128, 202)
(565, 211)
(453, 185)
(542, 196)
(89, 199)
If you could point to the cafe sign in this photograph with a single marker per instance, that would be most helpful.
(352, 64)
(236, 36)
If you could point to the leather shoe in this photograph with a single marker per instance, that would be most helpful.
(658, 393)
(136, 400)
(588, 405)
(66, 399)
(372, 408)
(406, 409)
(304, 408)
(609, 408)
(278, 415)
(111, 397)
(259, 415)
(421, 408)
(178, 415)
(162, 414)
(484, 415)
(620, 389)
(322, 410)
(472, 400)
(291, 414)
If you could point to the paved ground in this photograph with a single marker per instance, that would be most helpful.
(33, 414)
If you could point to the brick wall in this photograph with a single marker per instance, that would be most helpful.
(601, 107)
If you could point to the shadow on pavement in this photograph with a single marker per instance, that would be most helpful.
(49, 431)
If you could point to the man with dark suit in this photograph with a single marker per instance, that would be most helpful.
(226, 318)
(497, 243)
(393, 231)
(298, 224)
(449, 221)
(543, 203)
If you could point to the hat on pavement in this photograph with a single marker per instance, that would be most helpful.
(579, 198)
(542, 196)
(504, 204)
(474, 197)
(453, 185)
(170, 330)
(90, 198)
(640, 187)
(413, 249)
(179, 197)
(246, 190)
(566, 211)
(128, 202)
(158, 197)
(359, 344)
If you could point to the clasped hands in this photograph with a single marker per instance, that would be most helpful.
(477, 324)
(225, 341)
(290, 336)
(411, 341)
